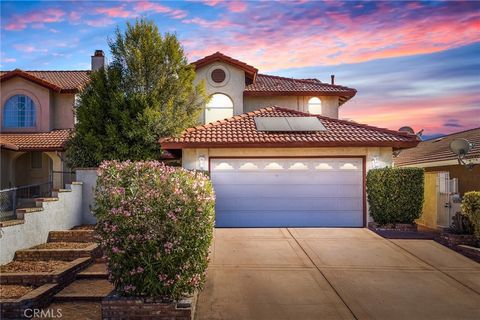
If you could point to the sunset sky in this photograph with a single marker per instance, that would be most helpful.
(413, 63)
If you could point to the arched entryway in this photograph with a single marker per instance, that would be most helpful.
(33, 168)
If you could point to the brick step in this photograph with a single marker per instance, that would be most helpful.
(71, 236)
(78, 310)
(62, 276)
(92, 251)
(84, 290)
(94, 271)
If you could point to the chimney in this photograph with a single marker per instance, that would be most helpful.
(98, 60)
(332, 77)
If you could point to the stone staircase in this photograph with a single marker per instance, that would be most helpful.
(79, 294)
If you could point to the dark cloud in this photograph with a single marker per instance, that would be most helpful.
(454, 123)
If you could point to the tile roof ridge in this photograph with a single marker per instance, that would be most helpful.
(218, 54)
(18, 69)
(309, 81)
(451, 134)
(18, 72)
(366, 126)
(222, 121)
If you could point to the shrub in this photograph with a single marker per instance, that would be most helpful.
(471, 207)
(395, 195)
(155, 224)
(461, 224)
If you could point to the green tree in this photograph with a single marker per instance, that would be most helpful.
(145, 93)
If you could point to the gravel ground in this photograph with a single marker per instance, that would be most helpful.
(63, 245)
(84, 227)
(33, 266)
(11, 291)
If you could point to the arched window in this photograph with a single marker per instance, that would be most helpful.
(315, 106)
(219, 107)
(19, 112)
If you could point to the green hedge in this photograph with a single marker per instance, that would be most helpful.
(471, 207)
(395, 195)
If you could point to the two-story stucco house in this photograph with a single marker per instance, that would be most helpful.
(276, 151)
(36, 118)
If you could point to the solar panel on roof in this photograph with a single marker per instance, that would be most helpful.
(305, 124)
(289, 124)
(272, 124)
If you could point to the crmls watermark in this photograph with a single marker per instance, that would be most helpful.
(42, 313)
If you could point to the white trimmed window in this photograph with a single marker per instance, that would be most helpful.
(19, 112)
(315, 106)
(220, 107)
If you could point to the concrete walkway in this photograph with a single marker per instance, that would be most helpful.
(335, 274)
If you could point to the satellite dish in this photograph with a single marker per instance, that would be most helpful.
(460, 146)
(406, 129)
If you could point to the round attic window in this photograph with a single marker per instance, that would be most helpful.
(218, 75)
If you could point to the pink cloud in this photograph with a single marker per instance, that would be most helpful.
(8, 60)
(432, 115)
(115, 12)
(146, 6)
(74, 16)
(236, 6)
(211, 3)
(100, 22)
(214, 24)
(28, 48)
(298, 39)
(35, 17)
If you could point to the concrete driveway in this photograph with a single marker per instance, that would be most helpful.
(335, 274)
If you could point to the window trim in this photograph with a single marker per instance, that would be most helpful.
(38, 111)
(317, 104)
(220, 108)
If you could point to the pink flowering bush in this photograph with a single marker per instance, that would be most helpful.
(155, 225)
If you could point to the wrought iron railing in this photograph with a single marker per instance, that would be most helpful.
(67, 177)
(21, 197)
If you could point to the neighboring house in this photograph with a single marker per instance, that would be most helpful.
(435, 155)
(37, 115)
(282, 157)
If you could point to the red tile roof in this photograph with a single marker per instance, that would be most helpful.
(274, 85)
(217, 56)
(5, 144)
(240, 132)
(439, 149)
(59, 81)
(36, 141)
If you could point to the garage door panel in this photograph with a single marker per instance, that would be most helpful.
(266, 190)
(285, 203)
(314, 178)
(288, 192)
(284, 219)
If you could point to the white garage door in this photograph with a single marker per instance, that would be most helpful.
(313, 192)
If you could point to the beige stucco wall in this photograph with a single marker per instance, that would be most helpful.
(429, 211)
(16, 169)
(5, 164)
(299, 103)
(382, 156)
(40, 96)
(56, 215)
(233, 85)
(54, 110)
(62, 111)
